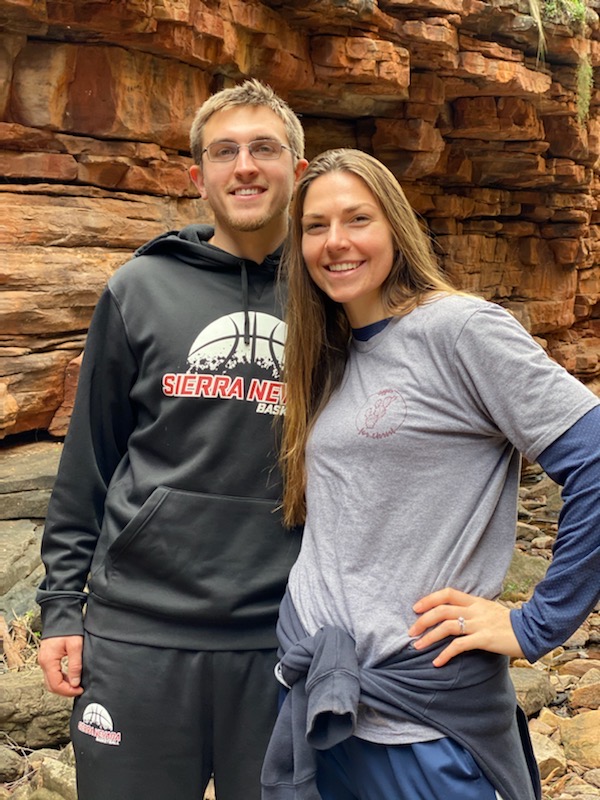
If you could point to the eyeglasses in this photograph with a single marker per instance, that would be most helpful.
(262, 149)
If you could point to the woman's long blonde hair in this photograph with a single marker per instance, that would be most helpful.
(318, 332)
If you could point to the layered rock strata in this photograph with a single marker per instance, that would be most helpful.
(492, 129)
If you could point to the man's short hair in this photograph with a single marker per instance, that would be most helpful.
(250, 93)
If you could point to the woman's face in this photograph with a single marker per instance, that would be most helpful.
(347, 244)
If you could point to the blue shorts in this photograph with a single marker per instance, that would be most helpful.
(437, 770)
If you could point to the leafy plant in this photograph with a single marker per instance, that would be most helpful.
(565, 11)
(585, 83)
(573, 13)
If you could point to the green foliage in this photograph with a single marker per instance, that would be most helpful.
(572, 13)
(565, 11)
(585, 83)
(562, 12)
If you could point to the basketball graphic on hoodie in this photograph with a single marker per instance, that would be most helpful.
(221, 347)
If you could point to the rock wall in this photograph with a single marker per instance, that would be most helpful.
(493, 130)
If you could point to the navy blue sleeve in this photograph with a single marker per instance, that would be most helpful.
(571, 587)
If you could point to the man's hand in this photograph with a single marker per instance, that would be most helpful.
(50, 656)
(475, 624)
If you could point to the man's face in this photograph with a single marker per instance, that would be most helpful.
(247, 194)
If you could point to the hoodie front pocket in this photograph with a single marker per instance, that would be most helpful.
(198, 556)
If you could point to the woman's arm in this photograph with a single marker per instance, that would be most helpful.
(571, 587)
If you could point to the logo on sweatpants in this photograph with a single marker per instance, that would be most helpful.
(97, 722)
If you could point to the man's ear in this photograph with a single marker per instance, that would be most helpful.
(301, 165)
(198, 180)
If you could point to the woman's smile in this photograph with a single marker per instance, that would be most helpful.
(347, 244)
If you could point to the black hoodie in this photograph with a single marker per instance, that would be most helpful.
(165, 500)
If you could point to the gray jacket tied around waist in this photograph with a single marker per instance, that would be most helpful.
(460, 700)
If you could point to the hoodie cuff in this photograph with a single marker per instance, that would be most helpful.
(62, 617)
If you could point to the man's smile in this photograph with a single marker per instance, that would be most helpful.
(247, 191)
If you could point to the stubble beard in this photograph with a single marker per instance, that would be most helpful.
(249, 224)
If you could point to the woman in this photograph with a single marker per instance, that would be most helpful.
(407, 406)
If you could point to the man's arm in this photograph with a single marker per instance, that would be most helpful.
(96, 442)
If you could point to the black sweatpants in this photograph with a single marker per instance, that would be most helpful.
(155, 723)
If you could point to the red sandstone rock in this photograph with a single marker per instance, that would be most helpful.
(362, 60)
(488, 118)
(60, 421)
(431, 39)
(493, 76)
(96, 100)
(31, 388)
(446, 6)
(106, 91)
(50, 166)
(118, 221)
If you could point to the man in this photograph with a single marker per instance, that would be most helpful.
(165, 500)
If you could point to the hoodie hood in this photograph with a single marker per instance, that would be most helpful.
(191, 245)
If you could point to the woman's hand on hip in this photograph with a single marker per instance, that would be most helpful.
(474, 622)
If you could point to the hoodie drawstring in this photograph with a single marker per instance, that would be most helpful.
(245, 304)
